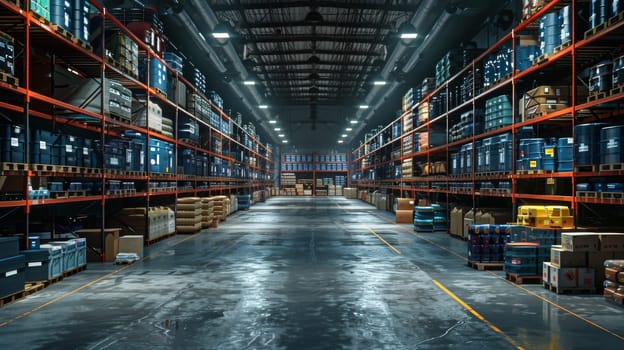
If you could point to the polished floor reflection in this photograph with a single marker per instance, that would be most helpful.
(305, 273)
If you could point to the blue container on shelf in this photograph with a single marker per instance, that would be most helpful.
(188, 128)
(157, 74)
(504, 155)
(611, 150)
(565, 154)
(62, 13)
(600, 12)
(584, 186)
(42, 147)
(13, 144)
(601, 76)
(187, 162)
(80, 20)
(615, 187)
(549, 157)
(587, 143)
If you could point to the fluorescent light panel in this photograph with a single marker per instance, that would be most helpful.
(272, 121)
(364, 106)
(409, 35)
(379, 82)
(263, 106)
(221, 35)
(249, 82)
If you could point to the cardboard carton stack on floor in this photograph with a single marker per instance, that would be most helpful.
(614, 281)
(578, 263)
(207, 206)
(405, 211)
(189, 215)
(350, 193)
(152, 222)
(221, 207)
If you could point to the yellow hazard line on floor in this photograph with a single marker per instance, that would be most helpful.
(546, 300)
(477, 315)
(383, 240)
(87, 285)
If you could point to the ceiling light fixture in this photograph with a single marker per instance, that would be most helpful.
(277, 129)
(353, 121)
(340, 141)
(314, 17)
(281, 135)
(407, 33)
(364, 106)
(221, 34)
(272, 121)
(349, 129)
(284, 141)
(249, 82)
(379, 82)
(344, 135)
(263, 106)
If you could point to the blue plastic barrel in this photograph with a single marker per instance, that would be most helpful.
(615, 187)
(531, 148)
(617, 78)
(584, 186)
(611, 151)
(62, 13)
(549, 157)
(565, 154)
(565, 14)
(599, 13)
(80, 19)
(600, 77)
(521, 258)
(587, 143)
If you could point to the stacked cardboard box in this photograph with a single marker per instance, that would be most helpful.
(350, 193)
(578, 263)
(221, 207)
(131, 244)
(339, 190)
(152, 222)
(405, 211)
(207, 206)
(543, 99)
(189, 215)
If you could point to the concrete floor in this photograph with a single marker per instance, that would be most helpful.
(305, 273)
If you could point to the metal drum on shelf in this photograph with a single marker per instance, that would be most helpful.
(615, 187)
(600, 11)
(600, 77)
(549, 157)
(587, 143)
(531, 148)
(565, 154)
(584, 186)
(549, 32)
(600, 186)
(61, 13)
(617, 78)
(611, 151)
(616, 7)
(565, 14)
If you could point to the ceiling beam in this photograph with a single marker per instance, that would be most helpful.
(290, 72)
(307, 83)
(358, 5)
(363, 25)
(289, 80)
(277, 38)
(306, 63)
(310, 52)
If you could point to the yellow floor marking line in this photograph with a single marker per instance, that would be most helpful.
(511, 283)
(546, 300)
(88, 284)
(383, 240)
(477, 315)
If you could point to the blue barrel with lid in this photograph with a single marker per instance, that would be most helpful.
(531, 148)
(549, 157)
(615, 187)
(549, 32)
(600, 187)
(617, 78)
(565, 154)
(600, 11)
(611, 151)
(600, 77)
(62, 13)
(584, 186)
(587, 143)
(565, 14)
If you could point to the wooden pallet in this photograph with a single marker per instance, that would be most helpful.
(617, 90)
(7, 299)
(502, 190)
(612, 167)
(615, 19)
(587, 194)
(189, 141)
(7, 166)
(541, 59)
(119, 118)
(584, 168)
(67, 169)
(521, 279)
(74, 271)
(597, 29)
(42, 167)
(159, 92)
(93, 171)
(612, 195)
(9, 79)
(531, 172)
(567, 290)
(482, 266)
(563, 46)
(161, 238)
(32, 287)
(594, 96)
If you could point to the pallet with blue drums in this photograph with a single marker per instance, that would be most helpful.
(482, 266)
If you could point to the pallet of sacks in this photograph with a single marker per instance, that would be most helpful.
(207, 208)
(189, 215)
(221, 207)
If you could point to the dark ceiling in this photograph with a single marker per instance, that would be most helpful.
(315, 61)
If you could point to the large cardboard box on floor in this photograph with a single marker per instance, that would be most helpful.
(580, 241)
(405, 204)
(131, 244)
(564, 258)
(405, 216)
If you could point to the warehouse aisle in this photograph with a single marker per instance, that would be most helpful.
(305, 273)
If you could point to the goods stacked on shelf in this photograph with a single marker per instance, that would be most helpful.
(541, 216)
(497, 66)
(188, 215)
(152, 222)
(614, 281)
(12, 267)
(543, 100)
(7, 54)
(207, 208)
(498, 112)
